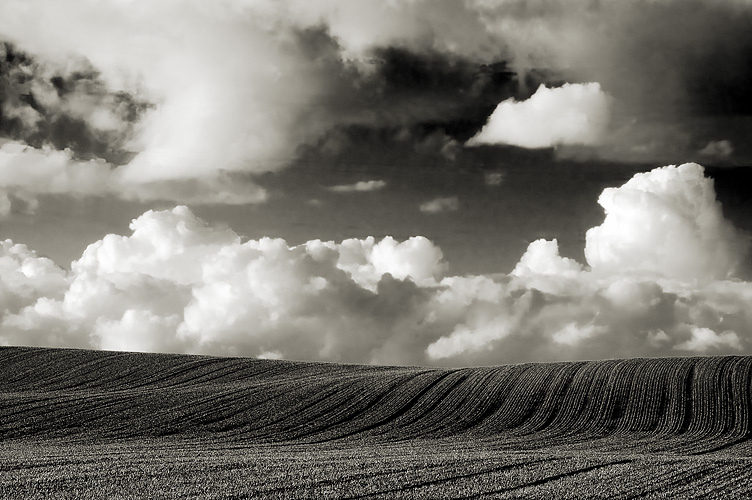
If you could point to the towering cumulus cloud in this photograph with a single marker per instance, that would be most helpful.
(571, 114)
(665, 222)
(178, 284)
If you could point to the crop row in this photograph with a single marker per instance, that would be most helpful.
(663, 405)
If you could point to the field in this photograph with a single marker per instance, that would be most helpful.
(88, 424)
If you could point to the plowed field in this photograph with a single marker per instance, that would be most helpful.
(92, 424)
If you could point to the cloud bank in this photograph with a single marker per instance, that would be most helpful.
(573, 114)
(178, 284)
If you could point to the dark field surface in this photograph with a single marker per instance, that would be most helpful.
(86, 424)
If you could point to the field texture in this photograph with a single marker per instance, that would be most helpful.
(86, 424)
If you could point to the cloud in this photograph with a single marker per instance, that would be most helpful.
(439, 142)
(705, 339)
(360, 186)
(493, 178)
(570, 114)
(717, 149)
(666, 222)
(657, 78)
(181, 72)
(64, 105)
(573, 334)
(439, 205)
(441, 26)
(270, 355)
(658, 284)
(470, 339)
(23, 274)
(26, 172)
(233, 89)
(46, 170)
(542, 258)
(178, 284)
(666, 94)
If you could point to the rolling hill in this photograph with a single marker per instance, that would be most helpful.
(78, 424)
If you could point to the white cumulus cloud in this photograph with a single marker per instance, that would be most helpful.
(705, 339)
(665, 222)
(571, 114)
(542, 258)
(178, 284)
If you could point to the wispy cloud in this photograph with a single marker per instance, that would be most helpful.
(493, 178)
(717, 149)
(360, 186)
(438, 205)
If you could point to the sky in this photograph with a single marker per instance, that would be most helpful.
(423, 182)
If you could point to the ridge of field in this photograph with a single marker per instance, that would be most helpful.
(536, 430)
(693, 405)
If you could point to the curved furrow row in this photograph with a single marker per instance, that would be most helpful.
(52, 375)
(585, 403)
(461, 410)
(534, 402)
(726, 484)
(379, 418)
(321, 413)
(310, 409)
(482, 415)
(643, 410)
(663, 405)
(359, 409)
(711, 416)
(414, 419)
(192, 412)
(523, 391)
(715, 484)
(677, 394)
(523, 490)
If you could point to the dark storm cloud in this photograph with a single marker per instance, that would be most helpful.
(239, 87)
(432, 100)
(676, 70)
(662, 54)
(43, 105)
(425, 92)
